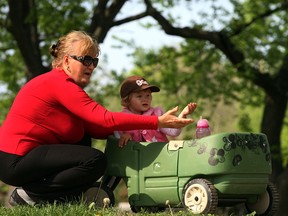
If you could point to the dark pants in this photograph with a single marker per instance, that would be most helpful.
(53, 172)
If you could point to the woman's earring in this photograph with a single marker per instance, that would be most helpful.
(68, 69)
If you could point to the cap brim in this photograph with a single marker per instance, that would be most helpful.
(152, 88)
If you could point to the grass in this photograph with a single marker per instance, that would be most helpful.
(75, 209)
(85, 210)
(59, 210)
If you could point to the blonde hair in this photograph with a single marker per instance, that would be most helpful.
(65, 46)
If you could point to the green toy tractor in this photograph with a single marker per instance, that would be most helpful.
(224, 169)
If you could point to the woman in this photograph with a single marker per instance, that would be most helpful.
(43, 148)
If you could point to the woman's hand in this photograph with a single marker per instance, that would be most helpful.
(170, 120)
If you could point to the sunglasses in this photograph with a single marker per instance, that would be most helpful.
(86, 60)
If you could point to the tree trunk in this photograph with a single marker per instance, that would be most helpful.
(282, 184)
(273, 116)
(23, 27)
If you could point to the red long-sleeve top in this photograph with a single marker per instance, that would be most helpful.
(53, 109)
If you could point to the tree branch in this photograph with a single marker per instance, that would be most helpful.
(169, 29)
(131, 18)
(104, 18)
(240, 28)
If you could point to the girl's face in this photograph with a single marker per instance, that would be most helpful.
(140, 101)
(75, 69)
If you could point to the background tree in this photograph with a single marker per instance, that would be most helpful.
(251, 45)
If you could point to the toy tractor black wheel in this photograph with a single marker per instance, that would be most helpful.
(200, 196)
(100, 194)
(267, 203)
(149, 209)
(111, 181)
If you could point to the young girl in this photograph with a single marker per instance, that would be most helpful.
(136, 97)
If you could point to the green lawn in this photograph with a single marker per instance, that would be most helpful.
(84, 210)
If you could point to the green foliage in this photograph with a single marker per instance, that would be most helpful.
(74, 15)
(244, 122)
(284, 139)
(184, 74)
(5, 103)
(106, 90)
(11, 65)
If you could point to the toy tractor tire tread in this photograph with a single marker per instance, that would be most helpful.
(200, 196)
(99, 193)
(271, 198)
(149, 209)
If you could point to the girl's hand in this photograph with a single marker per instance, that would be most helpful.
(169, 120)
(188, 110)
(123, 140)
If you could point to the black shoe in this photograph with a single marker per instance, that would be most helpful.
(17, 199)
